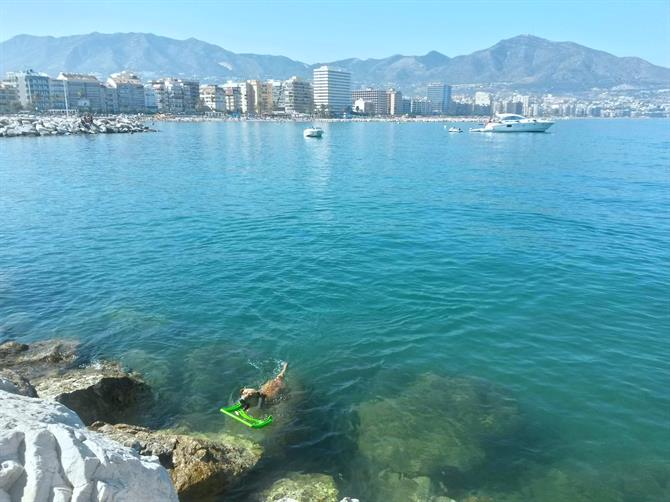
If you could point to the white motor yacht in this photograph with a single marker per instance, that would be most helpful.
(511, 122)
(455, 129)
(313, 132)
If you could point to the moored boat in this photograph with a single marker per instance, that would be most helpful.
(313, 132)
(511, 122)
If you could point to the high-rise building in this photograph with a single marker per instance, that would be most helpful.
(394, 101)
(377, 97)
(129, 92)
(439, 94)
(32, 89)
(247, 98)
(332, 90)
(298, 96)
(150, 99)
(84, 92)
(191, 95)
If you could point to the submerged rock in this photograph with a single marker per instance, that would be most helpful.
(199, 468)
(101, 391)
(302, 488)
(437, 423)
(46, 454)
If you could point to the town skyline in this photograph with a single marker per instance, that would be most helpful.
(296, 32)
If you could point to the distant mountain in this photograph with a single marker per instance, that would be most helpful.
(144, 53)
(520, 62)
(523, 62)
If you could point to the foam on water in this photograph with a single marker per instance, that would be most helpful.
(206, 253)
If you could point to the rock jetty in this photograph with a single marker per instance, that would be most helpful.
(34, 125)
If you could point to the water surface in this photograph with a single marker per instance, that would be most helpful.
(205, 254)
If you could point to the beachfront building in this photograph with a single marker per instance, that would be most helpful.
(176, 96)
(232, 98)
(332, 91)
(421, 106)
(377, 97)
(57, 98)
(262, 97)
(9, 98)
(298, 96)
(394, 102)
(439, 94)
(247, 98)
(363, 107)
(32, 89)
(129, 92)
(213, 98)
(277, 94)
(191, 95)
(84, 93)
(150, 100)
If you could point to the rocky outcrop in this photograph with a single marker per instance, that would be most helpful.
(31, 125)
(200, 468)
(302, 488)
(102, 391)
(39, 359)
(11, 381)
(46, 454)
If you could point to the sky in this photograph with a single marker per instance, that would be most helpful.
(327, 30)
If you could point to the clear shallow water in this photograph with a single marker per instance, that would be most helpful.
(205, 254)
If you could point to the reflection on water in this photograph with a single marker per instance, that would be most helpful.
(464, 315)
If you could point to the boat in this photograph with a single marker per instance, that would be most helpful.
(313, 132)
(455, 129)
(511, 122)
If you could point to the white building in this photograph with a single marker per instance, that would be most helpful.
(332, 90)
(213, 98)
(394, 102)
(482, 98)
(232, 97)
(364, 107)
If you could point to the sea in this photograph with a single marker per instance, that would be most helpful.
(463, 315)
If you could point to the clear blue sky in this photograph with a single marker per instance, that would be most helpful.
(317, 31)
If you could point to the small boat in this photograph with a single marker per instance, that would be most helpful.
(511, 122)
(313, 132)
(455, 129)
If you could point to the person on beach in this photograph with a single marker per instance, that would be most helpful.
(269, 392)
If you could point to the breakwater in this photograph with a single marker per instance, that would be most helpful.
(33, 125)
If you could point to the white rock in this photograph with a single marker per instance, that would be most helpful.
(63, 461)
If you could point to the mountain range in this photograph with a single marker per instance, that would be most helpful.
(522, 62)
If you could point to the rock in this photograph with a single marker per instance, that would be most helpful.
(199, 468)
(457, 416)
(46, 454)
(38, 359)
(102, 391)
(10, 381)
(302, 488)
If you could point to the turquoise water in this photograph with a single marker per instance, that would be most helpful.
(205, 254)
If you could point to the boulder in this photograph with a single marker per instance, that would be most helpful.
(200, 468)
(302, 488)
(102, 391)
(11, 381)
(46, 454)
(457, 417)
